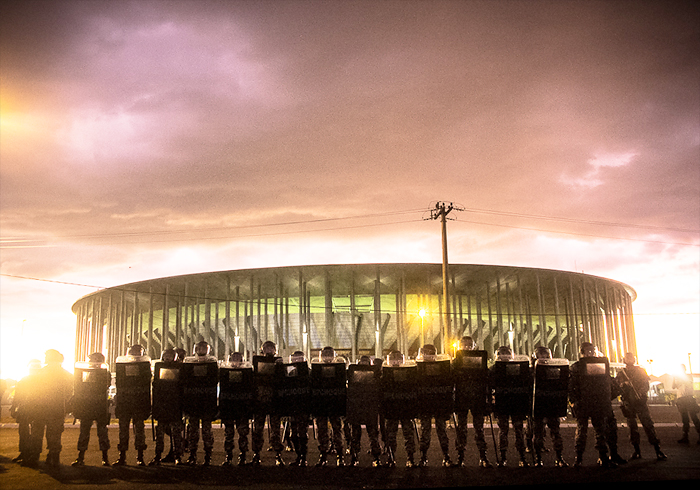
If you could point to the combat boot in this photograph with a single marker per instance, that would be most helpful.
(229, 459)
(660, 456)
(105, 458)
(322, 460)
(122, 459)
(423, 459)
(523, 462)
(340, 460)
(139, 458)
(504, 459)
(637, 453)
(606, 462)
(207, 458)
(579, 460)
(300, 461)
(616, 458)
(538, 459)
(410, 462)
(241, 459)
(559, 461)
(80, 461)
(53, 459)
(192, 460)
(390, 461)
(684, 439)
(278, 460)
(155, 461)
(460, 459)
(354, 461)
(376, 462)
(256, 459)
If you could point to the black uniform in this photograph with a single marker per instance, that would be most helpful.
(133, 401)
(167, 406)
(200, 379)
(549, 404)
(236, 398)
(399, 405)
(328, 403)
(362, 408)
(472, 394)
(23, 410)
(294, 401)
(590, 392)
(266, 375)
(435, 401)
(512, 391)
(634, 384)
(91, 403)
(54, 390)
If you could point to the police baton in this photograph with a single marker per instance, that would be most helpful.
(415, 429)
(493, 435)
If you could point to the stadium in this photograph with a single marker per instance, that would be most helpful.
(360, 309)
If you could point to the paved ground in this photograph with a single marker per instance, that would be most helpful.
(682, 467)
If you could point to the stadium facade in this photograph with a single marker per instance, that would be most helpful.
(360, 309)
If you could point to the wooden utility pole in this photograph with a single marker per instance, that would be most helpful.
(440, 212)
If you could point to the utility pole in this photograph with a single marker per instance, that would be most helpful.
(440, 212)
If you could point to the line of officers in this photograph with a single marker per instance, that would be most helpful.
(184, 394)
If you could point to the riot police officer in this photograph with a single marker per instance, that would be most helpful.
(294, 396)
(91, 404)
(512, 387)
(472, 394)
(23, 410)
(328, 394)
(590, 393)
(399, 405)
(266, 376)
(435, 400)
(167, 405)
(634, 383)
(236, 405)
(551, 378)
(54, 390)
(133, 379)
(200, 381)
(362, 408)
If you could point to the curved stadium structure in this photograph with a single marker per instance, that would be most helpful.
(360, 309)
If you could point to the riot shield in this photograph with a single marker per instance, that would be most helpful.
(267, 370)
(167, 391)
(550, 389)
(471, 379)
(133, 383)
(435, 388)
(236, 392)
(294, 389)
(400, 397)
(594, 385)
(364, 394)
(512, 386)
(90, 391)
(328, 389)
(200, 379)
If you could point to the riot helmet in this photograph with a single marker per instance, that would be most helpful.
(504, 353)
(427, 352)
(181, 354)
(467, 343)
(269, 348)
(34, 365)
(327, 354)
(588, 350)
(297, 356)
(396, 358)
(96, 358)
(202, 348)
(235, 358)
(542, 352)
(168, 355)
(364, 361)
(52, 356)
(135, 350)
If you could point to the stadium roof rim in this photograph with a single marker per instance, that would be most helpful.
(454, 267)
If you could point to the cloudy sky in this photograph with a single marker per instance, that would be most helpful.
(156, 138)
